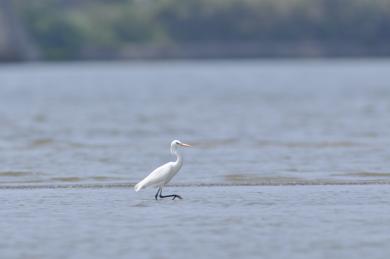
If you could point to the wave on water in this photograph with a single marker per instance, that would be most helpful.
(190, 185)
(15, 173)
(30, 179)
(366, 174)
(302, 144)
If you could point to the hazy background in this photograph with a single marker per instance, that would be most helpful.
(119, 29)
(291, 155)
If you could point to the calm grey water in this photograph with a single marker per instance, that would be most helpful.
(211, 222)
(107, 125)
(251, 121)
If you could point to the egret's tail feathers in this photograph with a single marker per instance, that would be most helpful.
(148, 181)
(138, 186)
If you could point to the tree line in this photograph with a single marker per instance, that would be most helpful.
(65, 29)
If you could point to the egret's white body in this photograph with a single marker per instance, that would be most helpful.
(163, 174)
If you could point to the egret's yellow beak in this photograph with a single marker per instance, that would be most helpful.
(185, 145)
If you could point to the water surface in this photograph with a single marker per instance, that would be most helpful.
(286, 121)
(291, 159)
(210, 222)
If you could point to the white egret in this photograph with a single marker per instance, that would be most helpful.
(163, 174)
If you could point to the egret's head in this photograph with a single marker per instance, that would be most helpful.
(177, 143)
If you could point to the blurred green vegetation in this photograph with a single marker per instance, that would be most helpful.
(64, 29)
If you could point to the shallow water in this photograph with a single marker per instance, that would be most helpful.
(210, 222)
(290, 159)
(257, 122)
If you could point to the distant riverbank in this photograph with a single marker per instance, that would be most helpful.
(242, 50)
(217, 50)
(78, 30)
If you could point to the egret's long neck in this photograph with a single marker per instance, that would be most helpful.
(179, 157)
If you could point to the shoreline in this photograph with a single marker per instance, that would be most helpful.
(215, 50)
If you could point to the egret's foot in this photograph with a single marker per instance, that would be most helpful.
(177, 196)
(168, 196)
(159, 194)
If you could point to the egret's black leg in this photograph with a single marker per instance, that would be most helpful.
(158, 191)
(172, 195)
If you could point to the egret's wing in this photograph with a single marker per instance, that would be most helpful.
(155, 178)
